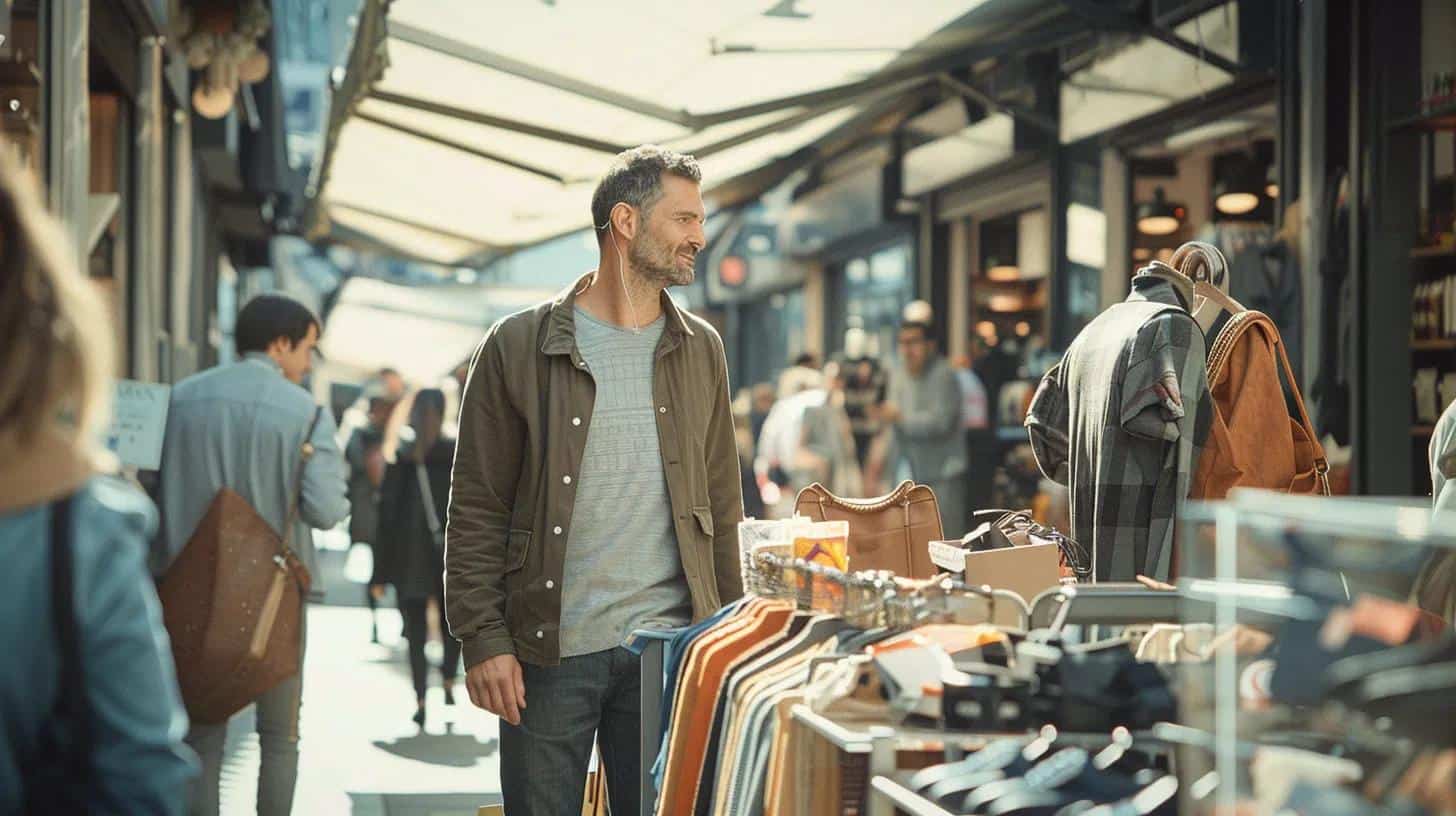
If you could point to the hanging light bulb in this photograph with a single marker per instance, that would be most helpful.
(254, 67)
(1159, 216)
(1003, 271)
(1271, 183)
(212, 102)
(1241, 188)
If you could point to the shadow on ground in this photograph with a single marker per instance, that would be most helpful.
(451, 749)
(420, 804)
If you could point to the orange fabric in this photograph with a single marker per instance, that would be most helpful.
(950, 637)
(1253, 441)
(698, 689)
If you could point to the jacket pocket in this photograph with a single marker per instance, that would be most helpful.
(704, 517)
(518, 545)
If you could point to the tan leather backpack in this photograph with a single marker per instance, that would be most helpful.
(1253, 440)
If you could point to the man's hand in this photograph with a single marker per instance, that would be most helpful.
(889, 412)
(496, 686)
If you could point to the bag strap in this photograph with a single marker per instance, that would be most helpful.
(1321, 465)
(71, 703)
(428, 497)
(305, 453)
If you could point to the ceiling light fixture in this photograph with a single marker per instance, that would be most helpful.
(1159, 216)
(1241, 189)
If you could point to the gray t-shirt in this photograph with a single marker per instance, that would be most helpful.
(623, 568)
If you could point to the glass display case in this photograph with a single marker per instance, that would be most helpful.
(1320, 658)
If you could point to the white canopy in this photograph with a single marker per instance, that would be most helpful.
(492, 121)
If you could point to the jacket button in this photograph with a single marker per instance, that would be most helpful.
(540, 635)
(662, 409)
(576, 420)
(556, 530)
(566, 480)
(550, 584)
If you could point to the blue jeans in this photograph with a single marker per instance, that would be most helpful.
(544, 760)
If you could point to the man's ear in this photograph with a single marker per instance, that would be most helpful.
(625, 220)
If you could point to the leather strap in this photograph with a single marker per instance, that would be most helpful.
(71, 702)
(1321, 465)
(305, 453)
(427, 495)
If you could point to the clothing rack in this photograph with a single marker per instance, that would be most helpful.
(1113, 604)
(866, 599)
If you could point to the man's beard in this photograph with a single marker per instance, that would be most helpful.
(657, 263)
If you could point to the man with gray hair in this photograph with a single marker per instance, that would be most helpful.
(596, 491)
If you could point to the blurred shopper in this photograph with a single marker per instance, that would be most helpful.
(826, 451)
(925, 409)
(762, 400)
(596, 447)
(805, 369)
(90, 716)
(242, 426)
(393, 384)
(980, 435)
(864, 391)
(409, 552)
(753, 506)
(782, 437)
(364, 453)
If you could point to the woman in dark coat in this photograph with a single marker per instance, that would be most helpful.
(410, 551)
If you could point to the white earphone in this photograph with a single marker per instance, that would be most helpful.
(621, 269)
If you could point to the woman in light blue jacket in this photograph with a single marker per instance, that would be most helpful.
(90, 717)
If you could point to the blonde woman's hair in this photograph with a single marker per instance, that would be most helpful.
(56, 345)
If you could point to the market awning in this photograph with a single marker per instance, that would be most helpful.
(463, 130)
(487, 125)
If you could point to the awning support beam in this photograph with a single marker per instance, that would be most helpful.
(793, 121)
(407, 222)
(1113, 19)
(535, 73)
(1037, 120)
(464, 148)
(1042, 38)
(476, 117)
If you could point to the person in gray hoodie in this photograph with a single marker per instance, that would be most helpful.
(924, 407)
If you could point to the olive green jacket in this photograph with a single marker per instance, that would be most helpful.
(524, 421)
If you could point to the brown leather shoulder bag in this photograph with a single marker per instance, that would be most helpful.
(233, 603)
(892, 532)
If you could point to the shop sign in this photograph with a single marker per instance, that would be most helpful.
(138, 423)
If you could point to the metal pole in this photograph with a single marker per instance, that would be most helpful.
(151, 250)
(68, 117)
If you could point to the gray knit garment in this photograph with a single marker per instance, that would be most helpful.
(623, 569)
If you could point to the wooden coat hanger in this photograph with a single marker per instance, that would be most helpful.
(1205, 265)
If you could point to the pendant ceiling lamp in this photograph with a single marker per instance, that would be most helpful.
(1271, 182)
(1159, 216)
(1241, 188)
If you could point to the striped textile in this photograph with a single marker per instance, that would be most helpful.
(1121, 421)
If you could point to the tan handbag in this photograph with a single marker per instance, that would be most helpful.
(233, 603)
(892, 532)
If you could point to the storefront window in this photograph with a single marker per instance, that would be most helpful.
(1010, 288)
(874, 291)
(770, 335)
(1216, 183)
